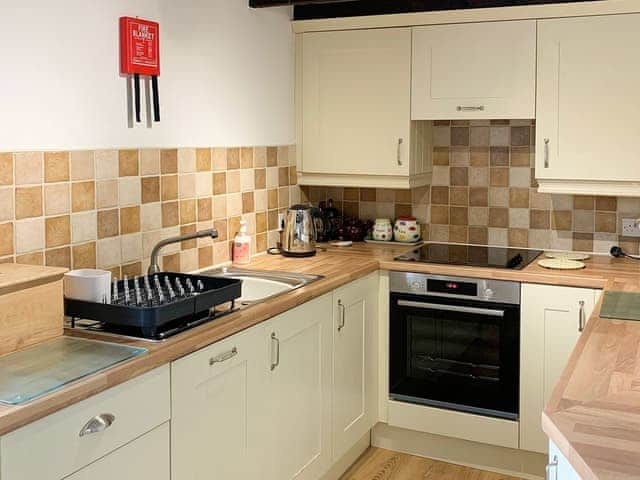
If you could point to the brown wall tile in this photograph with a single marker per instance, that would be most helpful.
(171, 263)
(233, 158)
(272, 156)
(6, 239)
(459, 196)
(248, 204)
(583, 202)
(479, 235)
(169, 187)
(128, 163)
(540, 219)
(221, 227)
(108, 223)
(246, 157)
(33, 258)
(58, 257)
(57, 231)
(150, 187)
(219, 183)
(129, 220)
(583, 242)
(479, 157)
(84, 255)
(606, 222)
(459, 216)
(205, 256)
(6, 168)
(441, 156)
(518, 237)
(499, 156)
(440, 195)
(562, 220)
(458, 233)
(169, 161)
(261, 222)
(460, 136)
(203, 159)
(56, 166)
(459, 176)
(170, 214)
(519, 197)
(260, 178)
(83, 196)
(187, 211)
(499, 177)
(186, 230)
(499, 217)
(609, 204)
(520, 156)
(28, 202)
(479, 196)
(205, 209)
(283, 176)
(132, 269)
(440, 215)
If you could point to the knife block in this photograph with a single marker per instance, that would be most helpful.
(31, 305)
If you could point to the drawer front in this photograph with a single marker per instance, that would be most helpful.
(137, 407)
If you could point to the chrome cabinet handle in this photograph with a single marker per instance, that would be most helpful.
(547, 470)
(97, 424)
(224, 356)
(399, 159)
(546, 153)
(581, 316)
(275, 342)
(342, 312)
(463, 108)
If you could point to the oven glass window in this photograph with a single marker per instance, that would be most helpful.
(456, 354)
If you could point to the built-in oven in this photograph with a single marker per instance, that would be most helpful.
(454, 343)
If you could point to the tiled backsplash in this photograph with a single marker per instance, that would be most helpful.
(107, 208)
(484, 191)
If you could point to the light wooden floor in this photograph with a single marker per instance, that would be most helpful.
(380, 464)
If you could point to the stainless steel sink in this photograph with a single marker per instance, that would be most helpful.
(260, 285)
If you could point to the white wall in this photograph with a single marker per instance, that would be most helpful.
(226, 74)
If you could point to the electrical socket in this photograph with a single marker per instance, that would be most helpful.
(631, 227)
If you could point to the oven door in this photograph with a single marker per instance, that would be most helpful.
(456, 354)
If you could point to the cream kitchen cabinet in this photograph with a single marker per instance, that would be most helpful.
(355, 320)
(218, 412)
(588, 104)
(146, 458)
(353, 97)
(299, 392)
(63, 443)
(474, 71)
(552, 319)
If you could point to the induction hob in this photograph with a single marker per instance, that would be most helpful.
(471, 255)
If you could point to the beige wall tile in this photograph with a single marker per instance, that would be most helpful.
(131, 247)
(187, 211)
(28, 202)
(219, 159)
(583, 221)
(233, 181)
(106, 164)
(150, 216)
(149, 240)
(259, 157)
(56, 166)
(440, 176)
(6, 204)
(29, 235)
(107, 193)
(520, 177)
(84, 255)
(247, 180)
(6, 239)
(234, 204)
(499, 136)
(29, 168)
(186, 185)
(498, 236)
(82, 165)
(186, 160)
(129, 191)
(149, 161)
(260, 197)
(128, 163)
(6, 168)
(204, 184)
(283, 156)
(220, 206)
(108, 252)
(272, 177)
(84, 226)
(82, 196)
(479, 176)
(519, 217)
(459, 157)
(57, 231)
(283, 197)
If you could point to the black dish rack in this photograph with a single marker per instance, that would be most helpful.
(150, 315)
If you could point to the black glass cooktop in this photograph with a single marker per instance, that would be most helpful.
(471, 255)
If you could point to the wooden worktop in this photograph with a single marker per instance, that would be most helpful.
(593, 415)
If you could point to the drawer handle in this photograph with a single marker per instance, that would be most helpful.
(546, 153)
(97, 424)
(463, 108)
(224, 356)
(399, 153)
(275, 342)
(581, 316)
(341, 323)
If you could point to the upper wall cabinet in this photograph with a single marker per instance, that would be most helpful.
(353, 96)
(588, 105)
(474, 71)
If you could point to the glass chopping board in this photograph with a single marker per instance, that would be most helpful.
(36, 371)
(621, 305)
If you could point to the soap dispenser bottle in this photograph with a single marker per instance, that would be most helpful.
(242, 246)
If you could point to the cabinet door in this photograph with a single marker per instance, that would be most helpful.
(588, 101)
(146, 458)
(356, 102)
(216, 400)
(474, 70)
(355, 319)
(551, 319)
(300, 391)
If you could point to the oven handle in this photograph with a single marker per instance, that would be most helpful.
(451, 308)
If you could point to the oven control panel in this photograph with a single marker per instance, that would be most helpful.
(497, 291)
